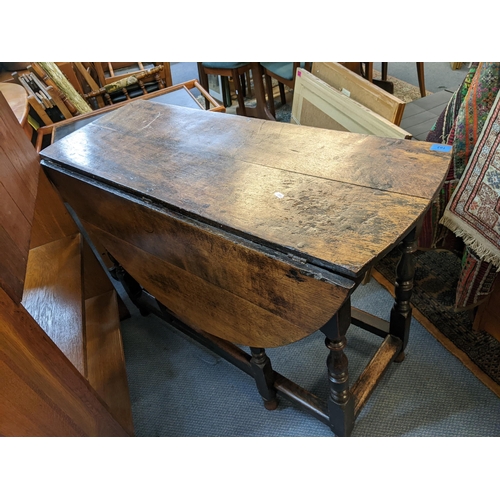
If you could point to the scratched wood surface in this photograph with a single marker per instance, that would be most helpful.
(334, 198)
(228, 287)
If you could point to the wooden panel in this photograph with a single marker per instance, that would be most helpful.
(18, 185)
(361, 90)
(348, 113)
(95, 280)
(488, 313)
(205, 307)
(53, 295)
(105, 359)
(52, 221)
(41, 393)
(270, 181)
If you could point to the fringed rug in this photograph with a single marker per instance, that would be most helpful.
(433, 299)
(474, 209)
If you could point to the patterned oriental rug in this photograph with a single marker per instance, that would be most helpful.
(474, 209)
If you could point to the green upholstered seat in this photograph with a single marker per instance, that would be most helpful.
(224, 65)
(282, 69)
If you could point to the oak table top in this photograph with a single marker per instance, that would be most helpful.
(335, 199)
(252, 232)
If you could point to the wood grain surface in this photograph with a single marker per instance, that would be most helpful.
(53, 295)
(311, 94)
(41, 393)
(336, 199)
(361, 90)
(230, 288)
(52, 221)
(19, 167)
(105, 359)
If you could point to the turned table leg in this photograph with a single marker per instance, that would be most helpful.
(264, 375)
(340, 400)
(401, 311)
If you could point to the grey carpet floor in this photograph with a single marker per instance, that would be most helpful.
(179, 388)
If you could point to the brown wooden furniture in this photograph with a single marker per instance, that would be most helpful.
(109, 72)
(17, 98)
(62, 369)
(284, 73)
(420, 75)
(253, 233)
(366, 70)
(125, 88)
(180, 95)
(235, 70)
(488, 313)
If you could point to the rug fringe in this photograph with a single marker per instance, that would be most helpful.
(480, 250)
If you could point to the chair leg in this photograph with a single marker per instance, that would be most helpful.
(243, 83)
(270, 96)
(282, 93)
(239, 93)
(421, 78)
(203, 79)
(384, 71)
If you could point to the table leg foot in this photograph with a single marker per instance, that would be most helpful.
(264, 376)
(400, 357)
(271, 405)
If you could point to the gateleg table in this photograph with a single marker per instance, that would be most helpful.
(249, 232)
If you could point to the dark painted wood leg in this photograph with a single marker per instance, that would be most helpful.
(421, 78)
(239, 94)
(264, 376)
(401, 310)
(270, 94)
(340, 400)
(282, 93)
(203, 79)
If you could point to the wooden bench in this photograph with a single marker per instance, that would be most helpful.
(61, 357)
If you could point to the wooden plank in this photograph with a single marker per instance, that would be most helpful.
(53, 295)
(52, 221)
(105, 359)
(41, 393)
(18, 186)
(361, 90)
(368, 380)
(253, 177)
(204, 306)
(310, 91)
(488, 313)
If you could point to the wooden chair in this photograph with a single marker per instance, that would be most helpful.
(110, 72)
(235, 70)
(284, 73)
(62, 366)
(420, 75)
(128, 87)
(181, 94)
